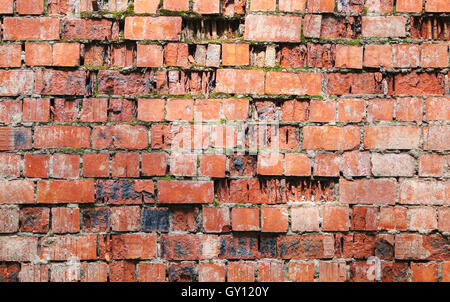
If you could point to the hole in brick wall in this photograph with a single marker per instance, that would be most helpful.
(430, 28)
(292, 55)
(232, 7)
(182, 82)
(212, 29)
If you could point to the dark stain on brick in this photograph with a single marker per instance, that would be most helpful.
(155, 220)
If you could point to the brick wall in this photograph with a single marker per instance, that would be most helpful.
(224, 140)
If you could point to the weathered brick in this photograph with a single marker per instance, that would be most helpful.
(36, 28)
(372, 191)
(273, 28)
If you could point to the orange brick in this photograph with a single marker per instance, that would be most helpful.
(301, 272)
(6, 6)
(393, 218)
(212, 165)
(335, 218)
(207, 110)
(235, 54)
(125, 218)
(377, 55)
(182, 164)
(438, 109)
(241, 271)
(211, 272)
(36, 165)
(327, 165)
(151, 110)
(146, 6)
(10, 55)
(274, 219)
(154, 164)
(409, 6)
(180, 110)
(293, 83)
(206, 6)
(38, 54)
(322, 111)
(320, 6)
(152, 272)
(270, 163)
(431, 165)
(422, 219)
(270, 271)
(409, 109)
(297, 165)
(305, 219)
(216, 220)
(149, 55)
(66, 165)
(125, 165)
(236, 109)
(30, 7)
(263, 5)
(66, 54)
(245, 219)
(444, 219)
(96, 165)
(380, 110)
(176, 5)
(292, 5)
(65, 220)
(349, 56)
(424, 272)
(332, 271)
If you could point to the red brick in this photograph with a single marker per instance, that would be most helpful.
(365, 218)
(273, 28)
(409, 110)
(330, 137)
(66, 165)
(394, 272)
(151, 110)
(93, 272)
(327, 165)
(293, 83)
(234, 54)
(245, 219)
(16, 191)
(36, 110)
(238, 246)
(34, 220)
(270, 163)
(90, 29)
(176, 5)
(372, 191)
(30, 7)
(380, 110)
(152, 272)
(170, 191)
(96, 165)
(176, 54)
(377, 55)
(383, 26)
(419, 83)
(125, 219)
(65, 247)
(392, 165)
(14, 248)
(424, 272)
(134, 246)
(211, 272)
(320, 6)
(216, 220)
(33, 273)
(322, 111)
(10, 165)
(120, 137)
(16, 82)
(207, 6)
(65, 191)
(66, 54)
(351, 110)
(146, 6)
(10, 55)
(9, 220)
(305, 219)
(207, 110)
(393, 218)
(6, 6)
(312, 26)
(349, 56)
(445, 271)
(405, 56)
(274, 219)
(65, 220)
(18, 138)
(356, 163)
(423, 192)
(153, 28)
(422, 219)
(301, 271)
(59, 82)
(185, 271)
(240, 81)
(436, 6)
(10, 111)
(182, 164)
(125, 165)
(444, 219)
(415, 246)
(297, 165)
(437, 109)
(188, 246)
(180, 109)
(353, 83)
(434, 55)
(431, 165)
(61, 137)
(64, 110)
(36, 28)
(409, 6)
(122, 271)
(270, 271)
(212, 165)
(263, 5)
(332, 271)
(395, 137)
(149, 55)
(154, 164)
(335, 218)
(436, 138)
(241, 271)
(379, 6)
